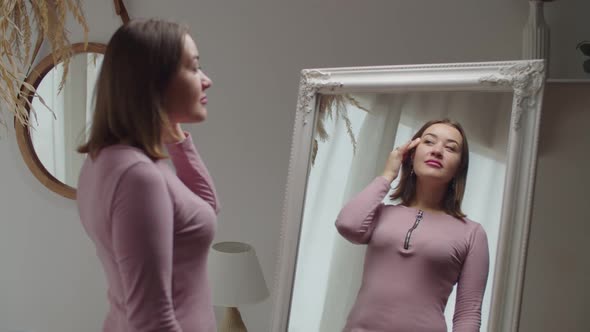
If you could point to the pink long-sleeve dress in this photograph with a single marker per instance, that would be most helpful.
(413, 260)
(152, 229)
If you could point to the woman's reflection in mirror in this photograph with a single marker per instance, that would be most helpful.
(419, 249)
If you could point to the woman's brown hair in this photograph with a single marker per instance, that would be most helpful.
(139, 62)
(406, 189)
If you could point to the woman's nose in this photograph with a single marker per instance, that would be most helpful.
(206, 81)
(436, 150)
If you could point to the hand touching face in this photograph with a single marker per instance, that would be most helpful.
(396, 157)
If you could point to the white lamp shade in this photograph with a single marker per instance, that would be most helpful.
(235, 275)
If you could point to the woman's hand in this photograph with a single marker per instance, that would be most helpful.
(395, 159)
(173, 134)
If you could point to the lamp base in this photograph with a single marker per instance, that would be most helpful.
(232, 321)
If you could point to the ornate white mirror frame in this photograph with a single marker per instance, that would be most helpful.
(525, 79)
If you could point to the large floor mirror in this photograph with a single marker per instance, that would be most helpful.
(348, 121)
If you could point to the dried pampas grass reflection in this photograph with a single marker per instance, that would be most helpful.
(334, 106)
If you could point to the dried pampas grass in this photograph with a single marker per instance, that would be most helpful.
(20, 21)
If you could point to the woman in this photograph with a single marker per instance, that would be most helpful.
(152, 228)
(419, 249)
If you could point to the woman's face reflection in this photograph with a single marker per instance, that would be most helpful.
(438, 155)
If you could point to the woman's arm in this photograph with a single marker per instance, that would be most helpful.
(142, 239)
(356, 221)
(357, 218)
(192, 171)
(472, 284)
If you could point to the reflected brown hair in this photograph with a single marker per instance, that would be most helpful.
(139, 62)
(406, 189)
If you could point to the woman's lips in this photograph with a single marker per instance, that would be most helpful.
(434, 163)
(204, 100)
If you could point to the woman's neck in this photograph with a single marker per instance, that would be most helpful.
(429, 196)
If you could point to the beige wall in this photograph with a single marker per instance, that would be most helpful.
(50, 279)
(557, 290)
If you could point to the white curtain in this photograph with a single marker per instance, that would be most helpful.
(329, 269)
(46, 127)
(323, 200)
(55, 139)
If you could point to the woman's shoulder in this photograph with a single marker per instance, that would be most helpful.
(114, 161)
(471, 223)
(121, 155)
(117, 168)
(476, 230)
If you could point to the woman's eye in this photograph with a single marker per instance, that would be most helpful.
(451, 148)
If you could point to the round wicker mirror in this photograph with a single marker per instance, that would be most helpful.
(60, 119)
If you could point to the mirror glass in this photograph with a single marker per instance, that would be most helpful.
(56, 132)
(353, 137)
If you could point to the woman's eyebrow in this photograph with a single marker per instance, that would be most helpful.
(448, 140)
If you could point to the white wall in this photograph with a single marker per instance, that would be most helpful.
(569, 25)
(50, 279)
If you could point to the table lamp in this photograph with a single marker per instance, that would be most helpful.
(236, 278)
